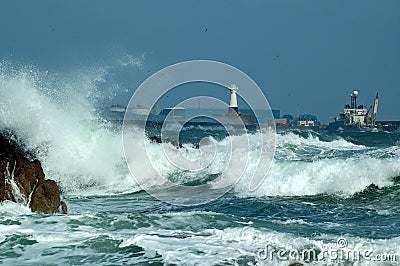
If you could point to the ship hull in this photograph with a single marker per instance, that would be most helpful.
(301, 128)
(338, 126)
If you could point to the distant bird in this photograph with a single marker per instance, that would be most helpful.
(205, 30)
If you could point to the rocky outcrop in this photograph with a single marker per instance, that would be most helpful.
(22, 180)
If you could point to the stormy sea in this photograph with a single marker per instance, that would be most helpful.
(329, 198)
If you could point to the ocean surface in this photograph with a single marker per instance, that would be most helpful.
(333, 195)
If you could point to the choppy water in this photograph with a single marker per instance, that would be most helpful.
(324, 192)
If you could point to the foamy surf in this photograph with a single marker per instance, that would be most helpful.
(318, 191)
(342, 177)
(55, 118)
(84, 153)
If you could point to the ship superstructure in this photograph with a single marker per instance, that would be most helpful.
(356, 116)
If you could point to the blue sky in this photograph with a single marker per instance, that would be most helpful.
(307, 56)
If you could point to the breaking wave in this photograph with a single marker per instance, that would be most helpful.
(309, 166)
(55, 116)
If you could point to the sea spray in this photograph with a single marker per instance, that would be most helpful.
(9, 179)
(318, 192)
(306, 165)
(56, 118)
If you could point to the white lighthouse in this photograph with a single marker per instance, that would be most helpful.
(233, 104)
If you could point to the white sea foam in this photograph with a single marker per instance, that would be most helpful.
(290, 175)
(55, 117)
(293, 221)
(238, 245)
(330, 176)
(179, 238)
(9, 208)
(291, 138)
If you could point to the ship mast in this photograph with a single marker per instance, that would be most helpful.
(354, 100)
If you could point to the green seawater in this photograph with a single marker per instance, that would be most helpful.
(351, 194)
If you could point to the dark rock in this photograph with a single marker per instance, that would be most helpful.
(64, 208)
(166, 140)
(23, 181)
(46, 197)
